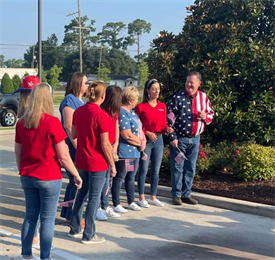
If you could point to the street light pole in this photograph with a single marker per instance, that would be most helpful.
(40, 39)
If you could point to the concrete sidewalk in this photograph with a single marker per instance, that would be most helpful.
(172, 232)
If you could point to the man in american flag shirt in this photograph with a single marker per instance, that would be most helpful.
(188, 112)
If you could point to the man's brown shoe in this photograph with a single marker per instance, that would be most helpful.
(189, 200)
(177, 201)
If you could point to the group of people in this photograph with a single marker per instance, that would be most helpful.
(101, 143)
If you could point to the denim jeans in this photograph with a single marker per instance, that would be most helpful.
(182, 175)
(41, 198)
(104, 199)
(154, 150)
(129, 178)
(66, 212)
(91, 187)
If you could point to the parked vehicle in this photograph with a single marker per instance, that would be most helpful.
(8, 109)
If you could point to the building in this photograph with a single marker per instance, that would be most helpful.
(118, 80)
(19, 71)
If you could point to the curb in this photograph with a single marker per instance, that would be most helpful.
(7, 132)
(221, 202)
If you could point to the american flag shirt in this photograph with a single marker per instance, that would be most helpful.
(185, 109)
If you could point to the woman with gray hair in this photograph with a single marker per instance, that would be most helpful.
(131, 142)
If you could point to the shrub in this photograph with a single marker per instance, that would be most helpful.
(203, 161)
(16, 81)
(254, 162)
(6, 84)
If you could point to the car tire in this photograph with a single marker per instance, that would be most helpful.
(8, 117)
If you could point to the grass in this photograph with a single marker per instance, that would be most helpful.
(7, 128)
(58, 96)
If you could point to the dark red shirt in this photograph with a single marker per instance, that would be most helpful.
(113, 130)
(153, 118)
(90, 121)
(39, 157)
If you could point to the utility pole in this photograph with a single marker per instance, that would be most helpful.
(100, 55)
(80, 28)
(80, 34)
(40, 39)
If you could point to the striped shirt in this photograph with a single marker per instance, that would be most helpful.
(186, 109)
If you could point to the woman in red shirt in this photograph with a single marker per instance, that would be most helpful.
(111, 106)
(39, 149)
(152, 114)
(93, 156)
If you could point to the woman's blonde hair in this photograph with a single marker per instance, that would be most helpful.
(129, 94)
(41, 101)
(23, 102)
(95, 91)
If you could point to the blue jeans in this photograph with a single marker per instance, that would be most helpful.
(91, 187)
(129, 178)
(104, 199)
(66, 212)
(154, 150)
(182, 175)
(41, 198)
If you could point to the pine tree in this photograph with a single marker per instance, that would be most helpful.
(6, 84)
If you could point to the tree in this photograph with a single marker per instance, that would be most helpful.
(6, 84)
(2, 61)
(104, 74)
(14, 63)
(232, 44)
(52, 53)
(110, 35)
(71, 37)
(143, 73)
(136, 29)
(16, 81)
(53, 76)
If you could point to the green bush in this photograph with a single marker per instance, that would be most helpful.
(6, 84)
(203, 161)
(254, 162)
(16, 81)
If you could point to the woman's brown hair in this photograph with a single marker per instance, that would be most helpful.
(148, 85)
(74, 84)
(112, 102)
(23, 102)
(96, 90)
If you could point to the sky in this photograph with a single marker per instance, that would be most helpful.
(19, 19)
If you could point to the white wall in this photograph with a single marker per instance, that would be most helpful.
(19, 71)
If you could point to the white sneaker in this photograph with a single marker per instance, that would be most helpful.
(120, 209)
(143, 203)
(156, 202)
(100, 215)
(109, 212)
(134, 206)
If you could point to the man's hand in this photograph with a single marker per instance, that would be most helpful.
(202, 115)
(113, 171)
(174, 143)
(78, 182)
(152, 136)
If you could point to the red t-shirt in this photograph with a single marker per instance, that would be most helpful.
(90, 121)
(39, 157)
(112, 132)
(153, 118)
